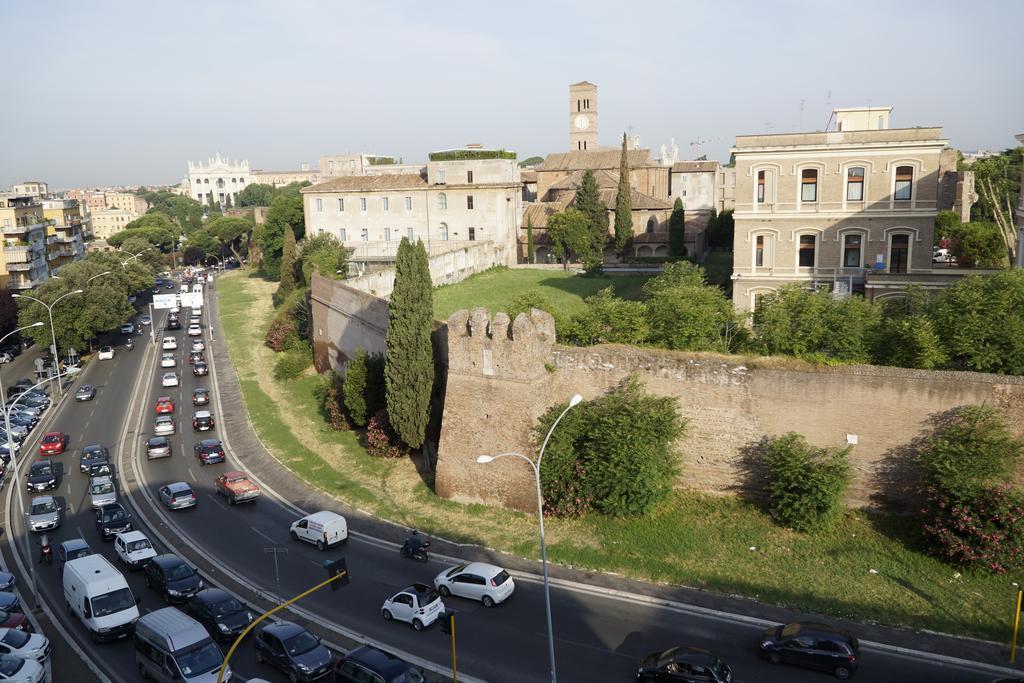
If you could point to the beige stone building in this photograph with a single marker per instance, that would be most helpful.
(448, 202)
(31, 188)
(23, 262)
(109, 221)
(282, 178)
(64, 232)
(126, 201)
(850, 210)
(335, 165)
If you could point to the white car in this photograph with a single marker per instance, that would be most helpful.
(194, 330)
(167, 360)
(24, 645)
(145, 320)
(419, 605)
(106, 353)
(134, 548)
(476, 581)
(175, 310)
(169, 380)
(170, 343)
(20, 670)
(198, 345)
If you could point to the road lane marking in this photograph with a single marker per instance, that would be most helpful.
(214, 499)
(192, 474)
(263, 535)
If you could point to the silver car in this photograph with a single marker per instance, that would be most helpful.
(177, 496)
(102, 491)
(158, 447)
(164, 425)
(44, 514)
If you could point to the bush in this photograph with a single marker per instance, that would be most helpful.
(381, 440)
(686, 314)
(364, 386)
(614, 455)
(608, 320)
(294, 361)
(971, 447)
(328, 395)
(805, 484)
(281, 334)
(978, 245)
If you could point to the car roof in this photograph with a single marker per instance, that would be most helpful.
(483, 568)
(129, 536)
(157, 438)
(74, 544)
(42, 499)
(179, 486)
(112, 507)
(284, 629)
(201, 390)
(47, 461)
(168, 560)
(162, 399)
(380, 661)
(164, 418)
(212, 595)
(819, 629)
(100, 480)
(210, 442)
(169, 374)
(202, 413)
(234, 473)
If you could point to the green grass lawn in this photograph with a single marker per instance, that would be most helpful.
(494, 289)
(721, 544)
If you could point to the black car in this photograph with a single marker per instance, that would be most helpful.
(173, 577)
(200, 369)
(92, 455)
(112, 519)
(685, 665)
(370, 664)
(209, 452)
(173, 325)
(23, 420)
(42, 476)
(200, 397)
(11, 349)
(222, 615)
(293, 650)
(812, 646)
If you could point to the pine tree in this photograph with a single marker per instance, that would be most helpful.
(623, 204)
(588, 202)
(354, 389)
(530, 255)
(409, 367)
(677, 231)
(287, 285)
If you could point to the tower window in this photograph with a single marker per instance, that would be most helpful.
(469, 176)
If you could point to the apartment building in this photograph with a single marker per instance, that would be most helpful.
(458, 197)
(850, 210)
(64, 232)
(334, 165)
(109, 221)
(23, 263)
(126, 201)
(31, 188)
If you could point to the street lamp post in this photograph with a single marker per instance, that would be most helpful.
(483, 460)
(133, 256)
(14, 460)
(53, 333)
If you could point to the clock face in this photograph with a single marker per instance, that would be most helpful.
(582, 122)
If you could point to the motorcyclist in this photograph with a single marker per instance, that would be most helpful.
(129, 345)
(413, 543)
(44, 548)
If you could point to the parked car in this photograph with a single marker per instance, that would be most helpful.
(236, 487)
(53, 443)
(367, 663)
(158, 447)
(86, 392)
(106, 353)
(174, 578)
(202, 421)
(9, 602)
(7, 581)
(134, 549)
(127, 328)
(27, 646)
(167, 361)
(477, 581)
(683, 664)
(169, 343)
(71, 549)
(812, 646)
(44, 514)
(419, 605)
(200, 369)
(164, 405)
(220, 613)
(294, 651)
(42, 476)
(102, 492)
(164, 425)
(169, 380)
(91, 455)
(113, 519)
(18, 670)
(15, 620)
(200, 397)
(178, 496)
(209, 452)
(6, 357)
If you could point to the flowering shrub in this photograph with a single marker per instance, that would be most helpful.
(328, 393)
(568, 497)
(281, 334)
(381, 440)
(984, 529)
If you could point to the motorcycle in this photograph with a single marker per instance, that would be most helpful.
(45, 554)
(415, 548)
(129, 346)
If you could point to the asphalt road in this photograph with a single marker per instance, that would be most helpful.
(599, 637)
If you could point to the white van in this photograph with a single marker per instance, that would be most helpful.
(98, 594)
(323, 529)
(197, 288)
(171, 646)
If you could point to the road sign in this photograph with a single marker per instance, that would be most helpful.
(164, 301)
(191, 299)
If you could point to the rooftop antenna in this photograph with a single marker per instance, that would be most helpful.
(697, 145)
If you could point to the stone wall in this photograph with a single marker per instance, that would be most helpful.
(445, 269)
(503, 376)
(345, 318)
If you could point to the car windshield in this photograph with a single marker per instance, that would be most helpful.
(206, 657)
(10, 665)
(790, 630)
(211, 448)
(237, 480)
(75, 554)
(157, 443)
(51, 438)
(225, 607)
(93, 452)
(718, 667)
(500, 578)
(42, 470)
(179, 572)
(114, 515)
(112, 602)
(102, 488)
(15, 638)
(136, 546)
(300, 643)
(428, 597)
(455, 570)
(44, 508)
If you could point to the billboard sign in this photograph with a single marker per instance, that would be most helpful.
(191, 299)
(164, 301)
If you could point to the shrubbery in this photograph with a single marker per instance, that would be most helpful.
(281, 334)
(614, 455)
(381, 439)
(972, 515)
(292, 362)
(805, 483)
(608, 320)
(329, 396)
(364, 386)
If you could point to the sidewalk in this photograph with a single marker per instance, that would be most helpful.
(248, 447)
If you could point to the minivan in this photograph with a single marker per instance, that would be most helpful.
(98, 594)
(171, 647)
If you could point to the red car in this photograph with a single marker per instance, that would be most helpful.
(236, 487)
(164, 405)
(15, 620)
(53, 443)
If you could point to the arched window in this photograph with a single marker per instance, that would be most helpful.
(444, 230)
(652, 224)
(809, 185)
(855, 184)
(442, 201)
(903, 190)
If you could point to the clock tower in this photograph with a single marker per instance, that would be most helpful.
(583, 117)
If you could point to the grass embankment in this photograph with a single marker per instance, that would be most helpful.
(693, 539)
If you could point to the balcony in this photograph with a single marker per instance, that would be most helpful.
(22, 283)
(18, 254)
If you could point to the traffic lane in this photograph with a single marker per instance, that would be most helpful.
(79, 521)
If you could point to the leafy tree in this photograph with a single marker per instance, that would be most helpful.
(981, 322)
(906, 336)
(232, 232)
(674, 275)
(210, 203)
(8, 311)
(978, 245)
(256, 194)
(677, 231)
(530, 252)
(285, 211)
(193, 255)
(186, 213)
(609, 320)
(614, 455)
(206, 242)
(1001, 173)
(570, 234)
(693, 318)
(227, 201)
(326, 255)
(726, 227)
(531, 161)
(588, 202)
(947, 223)
(149, 254)
(714, 236)
(623, 204)
(805, 484)
(355, 388)
(409, 369)
(288, 257)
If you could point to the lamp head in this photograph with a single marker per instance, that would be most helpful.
(575, 400)
(484, 459)
(38, 324)
(77, 291)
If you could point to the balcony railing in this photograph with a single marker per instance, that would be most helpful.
(835, 207)
(17, 254)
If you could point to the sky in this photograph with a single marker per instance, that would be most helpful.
(124, 93)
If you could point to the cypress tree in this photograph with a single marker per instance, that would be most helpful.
(209, 201)
(227, 201)
(623, 204)
(677, 231)
(287, 285)
(529, 240)
(409, 367)
(354, 388)
(588, 202)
